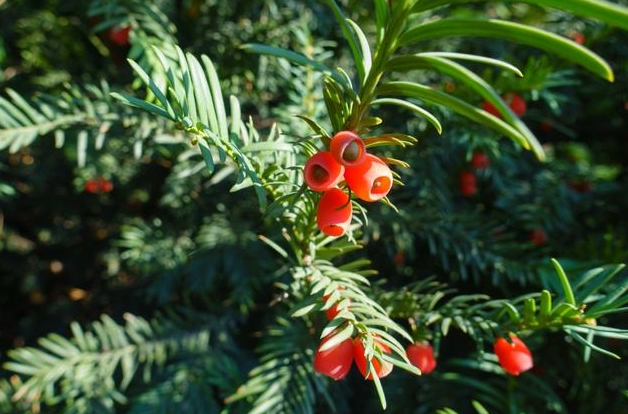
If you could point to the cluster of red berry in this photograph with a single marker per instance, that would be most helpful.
(514, 356)
(365, 175)
(98, 185)
(336, 361)
(467, 180)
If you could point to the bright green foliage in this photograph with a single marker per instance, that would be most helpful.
(208, 233)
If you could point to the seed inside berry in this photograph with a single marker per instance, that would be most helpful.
(320, 174)
(380, 185)
(352, 152)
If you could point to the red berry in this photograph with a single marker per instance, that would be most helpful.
(380, 367)
(516, 103)
(371, 180)
(322, 172)
(421, 355)
(336, 361)
(332, 312)
(347, 148)
(467, 183)
(119, 35)
(514, 357)
(537, 236)
(105, 185)
(335, 309)
(490, 108)
(333, 215)
(578, 37)
(580, 186)
(546, 126)
(479, 160)
(91, 186)
(399, 258)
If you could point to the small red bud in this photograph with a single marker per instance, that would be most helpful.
(514, 357)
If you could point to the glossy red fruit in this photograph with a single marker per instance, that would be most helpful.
(537, 236)
(379, 367)
(331, 313)
(98, 185)
(91, 186)
(546, 126)
(371, 180)
(421, 355)
(336, 361)
(105, 186)
(578, 37)
(514, 356)
(467, 182)
(347, 148)
(580, 186)
(119, 35)
(516, 103)
(322, 172)
(480, 161)
(490, 108)
(399, 258)
(333, 215)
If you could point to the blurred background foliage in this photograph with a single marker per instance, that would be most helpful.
(170, 244)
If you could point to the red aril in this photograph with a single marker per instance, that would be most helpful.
(371, 180)
(334, 362)
(421, 355)
(381, 368)
(333, 215)
(516, 103)
(322, 172)
(119, 35)
(537, 236)
(480, 161)
(513, 356)
(467, 183)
